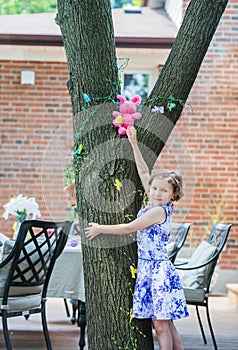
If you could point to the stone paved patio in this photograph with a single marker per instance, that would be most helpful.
(224, 319)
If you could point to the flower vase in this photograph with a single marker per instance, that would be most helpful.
(19, 219)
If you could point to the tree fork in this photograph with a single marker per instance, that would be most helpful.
(88, 37)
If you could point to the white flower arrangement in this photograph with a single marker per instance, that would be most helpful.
(21, 206)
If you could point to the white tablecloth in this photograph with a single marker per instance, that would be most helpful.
(67, 279)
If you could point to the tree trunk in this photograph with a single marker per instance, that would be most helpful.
(88, 37)
(103, 159)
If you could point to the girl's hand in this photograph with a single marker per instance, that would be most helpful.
(131, 134)
(92, 231)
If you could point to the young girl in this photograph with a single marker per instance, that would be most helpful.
(158, 292)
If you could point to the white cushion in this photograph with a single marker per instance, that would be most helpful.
(171, 247)
(3, 238)
(197, 278)
(22, 303)
(7, 248)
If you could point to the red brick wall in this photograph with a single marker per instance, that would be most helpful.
(211, 136)
(30, 116)
(36, 139)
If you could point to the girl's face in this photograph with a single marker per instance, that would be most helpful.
(161, 192)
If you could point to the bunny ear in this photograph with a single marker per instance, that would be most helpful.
(136, 99)
(121, 98)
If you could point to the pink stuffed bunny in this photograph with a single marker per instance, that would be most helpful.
(127, 113)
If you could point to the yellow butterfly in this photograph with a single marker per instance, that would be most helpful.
(133, 271)
(131, 317)
(80, 148)
(118, 184)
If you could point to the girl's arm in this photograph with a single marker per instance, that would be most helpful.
(151, 217)
(141, 165)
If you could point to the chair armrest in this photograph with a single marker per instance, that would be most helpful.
(195, 267)
(214, 257)
(173, 254)
(181, 263)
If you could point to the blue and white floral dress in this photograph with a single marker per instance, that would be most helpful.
(158, 292)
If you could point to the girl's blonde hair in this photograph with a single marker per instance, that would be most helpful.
(173, 178)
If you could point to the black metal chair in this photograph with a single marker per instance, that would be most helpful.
(25, 271)
(178, 235)
(197, 275)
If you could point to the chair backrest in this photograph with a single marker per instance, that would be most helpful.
(217, 238)
(218, 235)
(178, 235)
(200, 267)
(28, 262)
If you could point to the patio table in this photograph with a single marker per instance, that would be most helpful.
(67, 279)
(67, 282)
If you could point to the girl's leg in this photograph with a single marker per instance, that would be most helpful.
(177, 342)
(163, 331)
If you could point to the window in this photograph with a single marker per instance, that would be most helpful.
(137, 83)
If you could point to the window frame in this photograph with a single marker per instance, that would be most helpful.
(152, 77)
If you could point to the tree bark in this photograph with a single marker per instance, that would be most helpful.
(87, 32)
(105, 158)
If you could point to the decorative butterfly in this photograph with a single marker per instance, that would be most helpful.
(118, 184)
(133, 271)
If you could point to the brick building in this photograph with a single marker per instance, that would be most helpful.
(36, 123)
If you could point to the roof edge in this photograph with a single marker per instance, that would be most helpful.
(56, 40)
(31, 40)
(143, 42)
